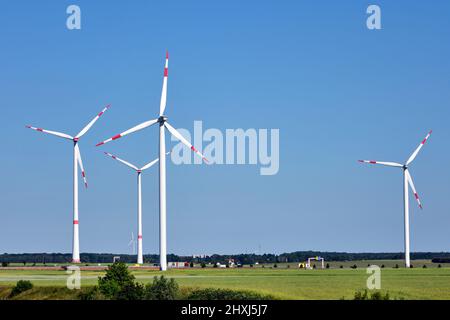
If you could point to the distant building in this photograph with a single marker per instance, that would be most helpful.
(178, 264)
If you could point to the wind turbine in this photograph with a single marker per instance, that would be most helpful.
(76, 161)
(132, 243)
(163, 124)
(407, 179)
(139, 171)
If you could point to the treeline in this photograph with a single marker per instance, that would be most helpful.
(49, 258)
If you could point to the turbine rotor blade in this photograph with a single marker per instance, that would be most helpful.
(134, 129)
(389, 164)
(178, 135)
(90, 124)
(55, 133)
(132, 166)
(163, 102)
(411, 184)
(80, 163)
(151, 163)
(414, 154)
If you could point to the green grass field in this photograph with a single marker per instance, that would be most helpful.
(281, 282)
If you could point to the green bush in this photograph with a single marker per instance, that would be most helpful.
(117, 279)
(131, 291)
(225, 294)
(377, 295)
(92, 293)
(4, 264)
(21, 286)
(161, 289)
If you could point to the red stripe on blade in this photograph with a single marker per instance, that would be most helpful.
(75, 221)
(99, 144)
(116, 137)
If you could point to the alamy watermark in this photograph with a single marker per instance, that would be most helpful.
(374, 280)
(234, 146)
(73, 21)
(73, 281)
(373, 22)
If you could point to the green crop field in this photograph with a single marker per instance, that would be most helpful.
(281, 282)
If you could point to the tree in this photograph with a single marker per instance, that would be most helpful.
(162, 289)
(21, 286)
(203, 265)
(327, 266)
(191, 264)
(4, 264)
(117, 279)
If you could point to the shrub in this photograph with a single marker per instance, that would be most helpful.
(4, 264)
(131, 291)
(377, 295)
(341, 266)
(382, 266)
(116, 279)
(275, 265)
(161, 289)
(191, 265)
(354, 266)
(439, 266)
(92, 293)
(203, 265)
(215, 265)
(21, 286)
(327, 266)
(396, 266)
(225, 294)
(424, 266)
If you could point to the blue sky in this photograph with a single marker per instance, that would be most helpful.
(337, 91)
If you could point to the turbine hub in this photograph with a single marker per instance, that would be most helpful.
(75, 140)
(162, 119)
(405, 167)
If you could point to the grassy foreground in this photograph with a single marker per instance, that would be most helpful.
(417, 283)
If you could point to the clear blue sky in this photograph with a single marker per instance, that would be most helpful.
(337, 91)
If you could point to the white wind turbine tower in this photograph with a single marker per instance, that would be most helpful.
(76, 161)
(139, 171)
(407, 179)
(163, 124)
(132, 243)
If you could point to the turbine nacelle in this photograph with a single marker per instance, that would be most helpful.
(162, 119)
